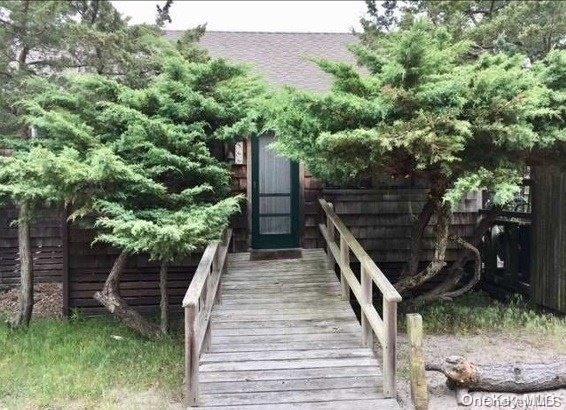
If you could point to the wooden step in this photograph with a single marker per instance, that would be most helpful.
(283, 338)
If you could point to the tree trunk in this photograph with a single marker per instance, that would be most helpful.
(110, 298)
(164, 302)
(417, 233)
(443, 215)
(509, 378)
(477, 271)
(479, 231)
(26, 267)
(446, 289)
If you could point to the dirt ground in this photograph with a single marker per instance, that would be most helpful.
(48, 301)
(481, 349)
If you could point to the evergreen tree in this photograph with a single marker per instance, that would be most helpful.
(30, 31)
(43, 39)
(533, 28)
(139, 161)
(426, 112)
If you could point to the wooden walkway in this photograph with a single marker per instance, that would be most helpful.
(282, 337)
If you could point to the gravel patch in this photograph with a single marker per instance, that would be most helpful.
(48, 301)
(482, 349)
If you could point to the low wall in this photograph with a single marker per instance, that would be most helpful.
(89, 265)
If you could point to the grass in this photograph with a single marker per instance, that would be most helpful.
(83, 360)
(478, 313)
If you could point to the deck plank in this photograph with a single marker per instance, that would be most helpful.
(283, 338)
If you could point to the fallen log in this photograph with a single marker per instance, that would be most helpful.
(509, 378)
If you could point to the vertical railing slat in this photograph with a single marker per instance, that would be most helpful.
(207, 339)
(345, 259)
(367, 295)
(191, 355)
(331, 236)
(388, 348)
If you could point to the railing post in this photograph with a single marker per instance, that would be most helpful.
(331, 235)
(217, 270)
(345, 261)
(215, 260)
(388, 349)
(367, 295)
(191, 355)
(419, 391)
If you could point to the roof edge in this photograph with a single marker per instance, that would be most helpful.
(266, 32)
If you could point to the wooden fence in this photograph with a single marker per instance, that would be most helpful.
(384, 327)
(548, 269)
(89, 264)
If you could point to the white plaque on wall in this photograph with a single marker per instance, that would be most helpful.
(239, 153)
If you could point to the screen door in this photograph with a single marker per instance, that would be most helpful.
(275, 204)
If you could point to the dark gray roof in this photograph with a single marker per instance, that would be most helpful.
(281, 58)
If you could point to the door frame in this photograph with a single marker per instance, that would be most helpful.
(274, 241)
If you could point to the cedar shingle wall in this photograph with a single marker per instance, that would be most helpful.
(312, 191)
(381, 220)
(240, 241)
(46, 247)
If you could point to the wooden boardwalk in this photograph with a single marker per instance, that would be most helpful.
(282, 337)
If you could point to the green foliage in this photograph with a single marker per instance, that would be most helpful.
(41, 176)
(45, 39)
(28, 30)
(134, 149)
(83, 362)
(427, 111)
(162, 233)
(533, 28)
(139, 159)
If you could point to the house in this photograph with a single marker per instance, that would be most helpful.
(282, 208)
(280, 193)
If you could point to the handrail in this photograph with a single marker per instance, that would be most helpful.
(198, 302)
(389, 292)
(384, 328)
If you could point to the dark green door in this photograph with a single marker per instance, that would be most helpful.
(275, 197)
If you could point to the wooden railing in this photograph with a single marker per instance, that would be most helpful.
(384, 328)
(203, 292)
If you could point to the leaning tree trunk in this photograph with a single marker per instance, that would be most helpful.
(454, 273)
(164, 302)
(110, 298)
(446, 290)
(417, 234)
(26, 267)
(479, 231)
(443, 215)
(509, 378)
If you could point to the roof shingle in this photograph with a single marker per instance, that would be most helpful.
(281, 58)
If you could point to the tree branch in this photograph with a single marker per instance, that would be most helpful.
(477, 269)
